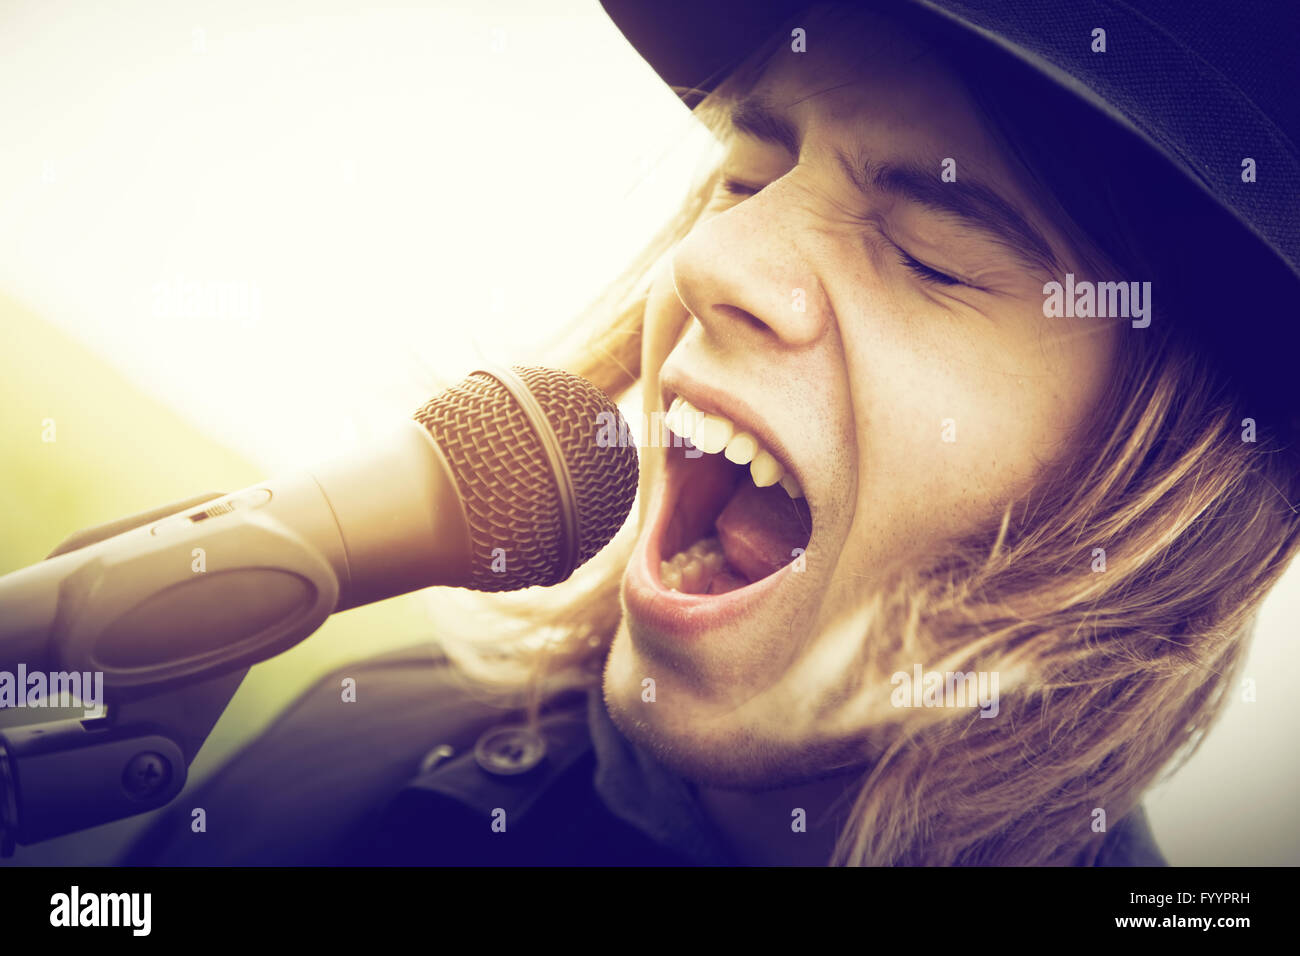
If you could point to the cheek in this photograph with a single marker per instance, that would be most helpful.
(665, 318)
(939, 448)
(1051, 383)
(954, 425)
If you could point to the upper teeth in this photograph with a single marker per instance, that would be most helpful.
(713, 433)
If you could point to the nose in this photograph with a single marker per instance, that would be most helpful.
(744, 269)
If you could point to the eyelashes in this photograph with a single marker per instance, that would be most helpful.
(928, 273)
(734, 187)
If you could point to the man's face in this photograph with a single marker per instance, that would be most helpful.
(879, 328)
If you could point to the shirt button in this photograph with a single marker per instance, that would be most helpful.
(436, 756)
(506, 751)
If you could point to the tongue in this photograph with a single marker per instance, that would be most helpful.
(761, 527)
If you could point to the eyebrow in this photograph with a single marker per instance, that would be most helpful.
(975, 204)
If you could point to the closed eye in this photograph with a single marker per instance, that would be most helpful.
(736, 188)
(928, 273)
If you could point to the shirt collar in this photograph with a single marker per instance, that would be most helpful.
(645, 794)
(632, 785)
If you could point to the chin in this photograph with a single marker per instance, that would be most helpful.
(700, 741)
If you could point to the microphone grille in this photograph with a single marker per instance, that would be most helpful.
(542, 494)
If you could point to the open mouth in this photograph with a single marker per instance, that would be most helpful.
(737, 514)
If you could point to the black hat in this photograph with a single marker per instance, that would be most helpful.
(1212, 88)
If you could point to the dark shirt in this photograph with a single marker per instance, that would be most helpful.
(393, 779)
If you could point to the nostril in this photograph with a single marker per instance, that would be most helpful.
(739, 315)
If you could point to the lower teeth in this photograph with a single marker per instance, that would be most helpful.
(693, 570)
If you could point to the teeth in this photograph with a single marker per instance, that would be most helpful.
(764, 469)
(712, 433)
(673, 419)
(691, 571)
(688, 419)
(693, 576)
(741, 448)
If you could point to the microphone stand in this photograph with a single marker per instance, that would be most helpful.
(60, 776)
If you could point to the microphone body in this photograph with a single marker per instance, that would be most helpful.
(501, 482)
(243, 577)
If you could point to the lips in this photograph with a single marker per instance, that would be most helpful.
(723, 536)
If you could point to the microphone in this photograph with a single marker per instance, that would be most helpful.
(502, 482)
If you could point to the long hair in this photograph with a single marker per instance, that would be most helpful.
(1115, 599)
